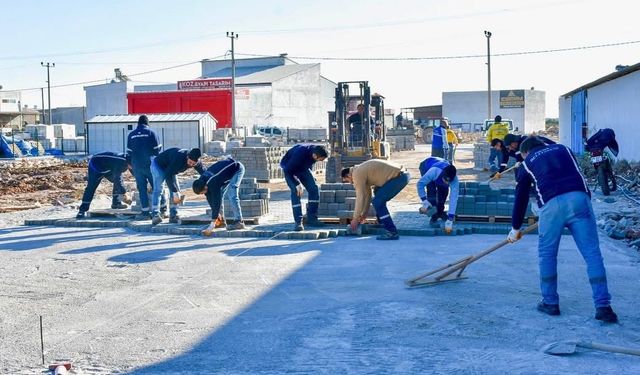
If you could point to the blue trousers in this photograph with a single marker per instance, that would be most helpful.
(309, 183)
(572, 210)
(384, 194)
(157, 196)
(232, 192)
(143, 179)
(93, 180)
(495, 159)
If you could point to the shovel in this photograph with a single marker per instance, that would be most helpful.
(569, 347)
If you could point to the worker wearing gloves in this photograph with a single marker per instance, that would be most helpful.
(387, 180)
(438, 176)
(498, 130)
(222, 179)
(564, 200)
(109, 165)
(142, 145)
(512, 144)
(296, 165)
(165, 168)
(439, 145)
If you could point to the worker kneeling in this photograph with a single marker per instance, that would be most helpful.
(564, 200)
(438, 176)
(387, 180)
(222, 179)
(109, 165)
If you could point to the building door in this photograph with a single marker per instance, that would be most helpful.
(578, 120)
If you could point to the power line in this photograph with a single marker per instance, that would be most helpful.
(455, 57)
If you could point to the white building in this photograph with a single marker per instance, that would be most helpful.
(608, 102)
(9, 101)
(107, 99)
(525, 107)
(182, 130)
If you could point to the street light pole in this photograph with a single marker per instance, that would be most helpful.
(488, 35)
(233, 36)
(48, 66)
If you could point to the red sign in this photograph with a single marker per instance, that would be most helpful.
(205, 84)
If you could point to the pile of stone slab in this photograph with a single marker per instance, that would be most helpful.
(215, 148)
(261, 163)
(401, 139)
(307, 134)
(254, 200)
(480, 199)
(338, 200)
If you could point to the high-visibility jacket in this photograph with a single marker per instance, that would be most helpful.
(498, 130)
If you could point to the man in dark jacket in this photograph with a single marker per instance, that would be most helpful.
(438, 176)
(564, 200)
(165, 168)
(296, 165)
(222, 179)
(142, 145)
(109, 165)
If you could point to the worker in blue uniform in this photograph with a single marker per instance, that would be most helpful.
(111, 166)
(296, 165)
(564, 201)
(438, 178)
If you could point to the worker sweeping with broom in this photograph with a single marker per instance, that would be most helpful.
(564, 200)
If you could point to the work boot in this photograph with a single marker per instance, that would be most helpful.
(143, 216)
(236, 226)
(119, 206)
(299, 227)
(552, 310)
(314, 222)
(174, 219)
(156, 220)
(164, 214)
(443, 216)
(80, 215)
(606, 314)
(388, 235)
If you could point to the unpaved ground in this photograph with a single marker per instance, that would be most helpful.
(115, 301)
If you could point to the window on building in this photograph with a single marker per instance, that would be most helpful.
(13, 101)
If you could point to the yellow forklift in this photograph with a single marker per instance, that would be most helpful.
(355, 135)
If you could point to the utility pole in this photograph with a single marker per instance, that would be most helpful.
(233, 36)
(42, 97)
(48, 66)
(488, 35)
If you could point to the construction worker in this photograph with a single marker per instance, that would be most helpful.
(296, 165)
(439, 145)
(452, 141)
(387, 180)
(511, 145)
(356, 122)
(500, 162)
(437, 177)
(142, 145)
(109, 165)
(564, 200)
(498, 130)
(222, 179)
(165, 167)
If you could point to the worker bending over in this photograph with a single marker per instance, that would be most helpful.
(387, 180)
(296, 165)
(222, 179)
(109, 165)
(438, 176)
(165, 169)
(564, 200)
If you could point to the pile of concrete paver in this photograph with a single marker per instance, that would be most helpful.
(261, 163)
(480, 199)
(338, 200)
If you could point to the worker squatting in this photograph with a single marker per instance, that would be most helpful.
(562, 194)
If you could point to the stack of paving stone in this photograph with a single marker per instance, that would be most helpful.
(481, 151)
(338, 200)
(261, 163)
(221, 135)
(215, 148)
(307, 134)
(256, 141)
(401, 139)
(479, 199)
(254, 200)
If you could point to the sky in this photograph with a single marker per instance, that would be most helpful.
(87, 40)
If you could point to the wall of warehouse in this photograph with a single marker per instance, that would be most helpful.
(297, 100)
(107, 99)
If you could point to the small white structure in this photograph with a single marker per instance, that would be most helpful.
(608, 102)
(183, 130)
(525, 107)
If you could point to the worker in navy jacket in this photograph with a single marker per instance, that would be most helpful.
(165, 169)
(142, 145)
(438, 176)
(109, 165)
(564, 201)
(222, 179)
(296, 165)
